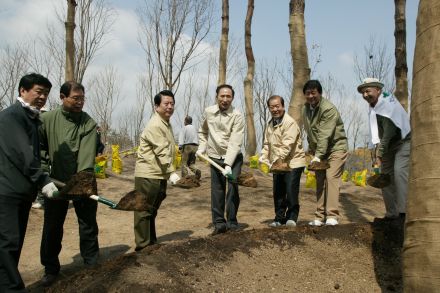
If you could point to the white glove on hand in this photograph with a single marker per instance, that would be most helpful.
(49, 189)
(315, 159)
(227, 171)
(174, 178)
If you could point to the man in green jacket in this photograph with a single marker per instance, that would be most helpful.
(327, 141)
(69, 136)
(154, 165)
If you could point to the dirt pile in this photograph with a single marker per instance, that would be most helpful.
(348, 258)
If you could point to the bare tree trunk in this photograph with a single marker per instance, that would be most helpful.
(251, 141)
(301, 69)
(421, 249)
(223, 43)
(70, 43)
(401, 69)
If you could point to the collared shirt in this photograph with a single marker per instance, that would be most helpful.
(221, 133)
(283, 141)
(156, 151)
(188, 135)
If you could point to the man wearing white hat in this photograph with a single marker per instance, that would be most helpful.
(391, 134)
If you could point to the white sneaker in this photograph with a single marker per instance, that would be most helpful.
(274, 224)
(290, 223)
(331, 222)
(316, 223)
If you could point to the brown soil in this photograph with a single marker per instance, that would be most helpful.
(357, 256)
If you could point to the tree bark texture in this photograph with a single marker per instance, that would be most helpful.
(401, 69)
(300, 61)
(421, 249)
(70, 43)
(222, 64)
(251, 141)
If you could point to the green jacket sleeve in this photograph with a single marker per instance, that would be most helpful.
(87, 147)
(389, 132)
(327, 126)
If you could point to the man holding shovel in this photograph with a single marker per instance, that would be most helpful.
(20, 174)
(221, 136)
(154, 165)
(69, 135)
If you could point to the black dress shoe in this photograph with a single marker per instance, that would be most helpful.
(220, 229)
(48, 280)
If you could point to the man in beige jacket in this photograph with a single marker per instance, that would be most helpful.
(283, 146)
(221, 136)
(154, 165)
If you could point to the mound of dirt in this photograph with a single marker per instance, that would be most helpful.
(351, 258)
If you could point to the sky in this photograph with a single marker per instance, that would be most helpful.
(341, 28)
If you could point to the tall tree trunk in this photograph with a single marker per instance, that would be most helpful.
(401, 69)
(300, 60)
(251, 141)
(421, 249)
(70, 43)
(224, 43)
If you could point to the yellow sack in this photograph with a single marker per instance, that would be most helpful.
(310, 180)
(264, 168)
(253, 162)
(345, 176)
(178, 158)
(361, 178)
(116, 160)
(100, 165)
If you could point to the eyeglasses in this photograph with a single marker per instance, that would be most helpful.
(78, 98)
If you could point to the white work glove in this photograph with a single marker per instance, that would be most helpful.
(174, 178)
(49, 189)
(227, 171)
(315, 159)
(200, 151)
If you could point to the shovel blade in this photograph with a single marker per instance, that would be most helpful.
(133, 201)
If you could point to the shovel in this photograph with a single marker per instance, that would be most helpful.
(83, 184)
(220, 168)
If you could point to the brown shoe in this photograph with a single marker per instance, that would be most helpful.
(280, 167)
(317, 166)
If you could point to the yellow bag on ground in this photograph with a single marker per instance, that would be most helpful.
(100, 165)
(361, 178)
(116, 160)
(310, 180)
(178, 158)
(264, 168)
(345, 176)
(253, 162)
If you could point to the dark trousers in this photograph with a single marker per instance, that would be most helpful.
(218, 190)
(144, 222)
(285, 195)
(54, 215)
(14, 214)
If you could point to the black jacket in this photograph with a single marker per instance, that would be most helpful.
(20, 169)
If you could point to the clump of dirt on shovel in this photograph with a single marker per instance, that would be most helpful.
(82, 184)
(133, 201)
(247, 179)
(189, 181)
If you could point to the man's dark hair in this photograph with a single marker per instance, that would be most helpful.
(70, 86)
(188, 120)
(225, 86)
(28, 81)
(311, 85)
(275, 97)
(158, 97)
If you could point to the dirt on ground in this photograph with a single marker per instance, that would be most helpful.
(359, 255)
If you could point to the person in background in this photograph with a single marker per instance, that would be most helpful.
(188, 144)
(99, 145)
(69, 135)
(327, 141)
(21, 174)
(391, 134)
(154, 165)
(283, 144)
(221, 136)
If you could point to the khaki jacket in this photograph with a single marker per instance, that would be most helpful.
(283, 141)
(156, 151)
(221, 133)
(325, 129)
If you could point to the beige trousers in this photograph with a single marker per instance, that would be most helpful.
(328, 183)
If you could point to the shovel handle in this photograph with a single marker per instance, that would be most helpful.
(206, 158)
